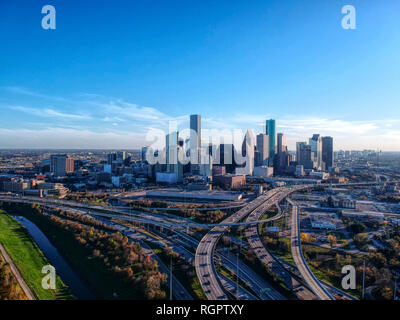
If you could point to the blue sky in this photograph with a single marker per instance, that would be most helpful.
(112, 70)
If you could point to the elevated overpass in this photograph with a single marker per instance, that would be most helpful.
(204, 259)
(254, 240)
(315, 285)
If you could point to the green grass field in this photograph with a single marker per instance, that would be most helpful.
(28, 258)
(96, 276)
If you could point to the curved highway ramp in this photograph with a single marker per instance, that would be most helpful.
(298, 258)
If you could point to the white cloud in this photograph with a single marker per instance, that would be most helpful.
(50, 113)
(104, 122)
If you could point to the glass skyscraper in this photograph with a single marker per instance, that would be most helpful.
(270, 130)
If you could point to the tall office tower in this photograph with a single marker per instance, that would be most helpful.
(316, 149)
(299, 147)
(262, 150)
(247, 159)
(327, 152)
(121, 155)
(69, 165)
(282, 155)
(304, 155)
(207, 159)
(195, 139)
(145, 149)
(281, 143)
(270, 130)
(58, 164)
(172, 147)
(111, 157)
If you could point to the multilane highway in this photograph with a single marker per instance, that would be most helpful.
(299, 260)
(178, 290)
(254, 239)
(204, 259)
(204, 265)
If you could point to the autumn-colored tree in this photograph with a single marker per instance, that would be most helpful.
(332, 240)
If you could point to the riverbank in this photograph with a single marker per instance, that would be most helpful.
(96, 272)
(21, 282)
(28, 259)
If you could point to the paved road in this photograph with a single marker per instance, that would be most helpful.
(298, 258)
(257, 284)
(179, 290)
(177, 287)
(231, 287)
(204, 259)
(295, 271)
(254, 239)
(17, 275)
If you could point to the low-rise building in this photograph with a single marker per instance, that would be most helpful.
(231, 180)
(263, 171)
(325, 224)
(344, 202)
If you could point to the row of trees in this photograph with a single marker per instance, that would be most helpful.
(147, 203)
(88, 198)
(87, 220)
(9, 287)
(123, 258)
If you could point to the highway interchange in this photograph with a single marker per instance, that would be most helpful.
(215, 286)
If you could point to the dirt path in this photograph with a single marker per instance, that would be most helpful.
(17, 275)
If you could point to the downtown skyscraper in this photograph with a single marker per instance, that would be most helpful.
(195, 142)
(327, 152)
(270, 130)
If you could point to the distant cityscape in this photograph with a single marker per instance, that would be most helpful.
(220, 152)
(264, 156)
(214, 213)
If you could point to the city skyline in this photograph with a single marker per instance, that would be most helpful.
(236, 66)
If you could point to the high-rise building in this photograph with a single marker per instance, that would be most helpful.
(144, 153)
(327, 152)
(111, 157)
(195, 139)
(172, 149)
(262, 150)
(282, 155)
(247, 167)
(281, 143)
(121, 155)
(304, 155)
(316, 150)
(58, 164)
(224, 156)
(69, 165)
(270, 130)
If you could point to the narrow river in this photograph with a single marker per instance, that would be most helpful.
(63, 270)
